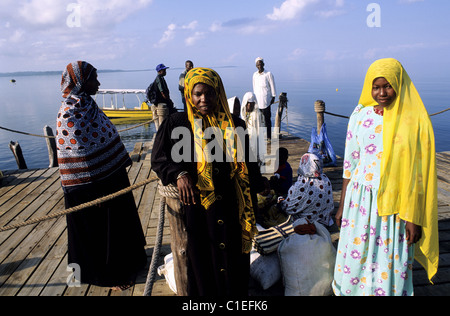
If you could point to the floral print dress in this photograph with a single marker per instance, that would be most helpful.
(373, 256)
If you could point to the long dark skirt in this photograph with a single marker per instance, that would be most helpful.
(216, 264)
(211, 243)
(106, 241)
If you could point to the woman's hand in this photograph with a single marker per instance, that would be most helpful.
(413, 233)
(338, 216)
(186, 189)
(340, 211)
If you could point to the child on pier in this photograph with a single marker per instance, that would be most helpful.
(269, 213)
(281, 181)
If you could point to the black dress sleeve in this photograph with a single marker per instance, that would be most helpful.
(163, 164)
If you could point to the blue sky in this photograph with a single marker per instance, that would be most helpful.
(299, 37)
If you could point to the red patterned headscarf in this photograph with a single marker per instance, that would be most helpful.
(89, 146)
(74, 77)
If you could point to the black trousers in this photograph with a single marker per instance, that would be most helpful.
(268, 120)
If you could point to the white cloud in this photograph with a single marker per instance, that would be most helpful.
(42, 12)
(297, 54)
(191, 26)
(94, 13)
(290, 9)
(411, 1)
(191, 40)
(216, 26)
(168, 35)
(34, 33)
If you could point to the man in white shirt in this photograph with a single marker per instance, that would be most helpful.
(264, 90)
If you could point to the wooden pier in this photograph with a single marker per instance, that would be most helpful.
(33, 259)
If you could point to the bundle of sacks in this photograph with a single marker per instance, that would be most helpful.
(305, 259)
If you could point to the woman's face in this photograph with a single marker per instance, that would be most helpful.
(250, 106)
(92, 84)
(382, 92)
(204, 98)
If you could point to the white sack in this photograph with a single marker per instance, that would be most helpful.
(307, 262)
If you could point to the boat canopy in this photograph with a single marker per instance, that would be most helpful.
(113, 95)
(122, 91)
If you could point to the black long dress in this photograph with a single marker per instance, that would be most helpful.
(216, 264)
(106, 241)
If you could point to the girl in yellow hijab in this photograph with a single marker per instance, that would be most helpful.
(388, 209)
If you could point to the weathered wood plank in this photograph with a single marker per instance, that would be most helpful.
(33, 259)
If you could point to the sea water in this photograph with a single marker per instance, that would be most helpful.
(33, 102)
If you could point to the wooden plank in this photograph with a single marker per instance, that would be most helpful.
(57, 284)
(39, 207)
(33, 235)
(42, 275)
(33, 259)
(26, 196)
(26, 180)
(146, 151)
(135, 154)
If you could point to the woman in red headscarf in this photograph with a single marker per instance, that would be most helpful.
(106, 241)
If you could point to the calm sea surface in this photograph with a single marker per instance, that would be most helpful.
(33, 102)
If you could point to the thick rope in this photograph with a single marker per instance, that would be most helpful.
(156, 250)
(169, 191)
(348, 116)
(79, 207)
(44, 136)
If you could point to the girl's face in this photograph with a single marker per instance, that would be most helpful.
(204, 98)
(382, 92)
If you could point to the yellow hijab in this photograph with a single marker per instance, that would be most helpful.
(221, 119)
(408, 183)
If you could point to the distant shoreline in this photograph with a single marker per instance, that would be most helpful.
(52, 73)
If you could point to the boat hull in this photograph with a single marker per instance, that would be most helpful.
(134, 114)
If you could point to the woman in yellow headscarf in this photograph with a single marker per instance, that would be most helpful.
(216, 188)
(388, 209)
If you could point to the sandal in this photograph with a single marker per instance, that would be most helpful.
(122, 287)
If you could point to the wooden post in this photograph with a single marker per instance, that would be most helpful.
(319, 108)
(51, 146)
(279, 116)
(17, 151)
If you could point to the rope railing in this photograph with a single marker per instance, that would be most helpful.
(343, 116)
(45, 136)
(79, 207)
(148, 122)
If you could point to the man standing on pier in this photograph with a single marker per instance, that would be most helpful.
(264, 90)
(162, 106)
(189, 65)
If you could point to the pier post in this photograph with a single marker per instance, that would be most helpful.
(319, 108)
(279, 116)
(17, 151)
(51, 146)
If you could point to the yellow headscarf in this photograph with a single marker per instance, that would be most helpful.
(408, 183)
(221, 118)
